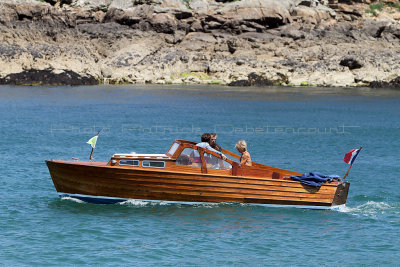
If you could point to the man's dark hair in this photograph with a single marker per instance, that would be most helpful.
(205, 137)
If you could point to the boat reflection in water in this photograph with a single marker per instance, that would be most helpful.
(189, 174)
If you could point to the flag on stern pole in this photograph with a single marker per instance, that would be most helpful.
(92, 141)
(351, 156)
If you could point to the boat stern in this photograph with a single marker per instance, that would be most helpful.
(341, 193)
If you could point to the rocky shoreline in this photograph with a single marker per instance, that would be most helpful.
(238, 43)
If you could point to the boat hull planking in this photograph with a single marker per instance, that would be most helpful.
(100, 183)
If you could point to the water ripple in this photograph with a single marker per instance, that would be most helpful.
(40, 229)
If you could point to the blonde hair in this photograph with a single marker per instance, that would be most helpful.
(241, 144)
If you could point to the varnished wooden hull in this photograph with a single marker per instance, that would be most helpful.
(98, 182)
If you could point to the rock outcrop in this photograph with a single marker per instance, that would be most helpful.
(245, 43)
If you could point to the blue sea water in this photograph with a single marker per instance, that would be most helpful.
(300, 129)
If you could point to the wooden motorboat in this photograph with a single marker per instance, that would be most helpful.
(189, 174)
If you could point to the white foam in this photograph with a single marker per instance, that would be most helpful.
(368, 208)
(343, 208)
(72, 199)
(134, 202)
(141, 203)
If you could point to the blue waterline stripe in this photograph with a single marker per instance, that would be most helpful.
(113, 200)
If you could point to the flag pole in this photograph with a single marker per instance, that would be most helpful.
(344, 177)
(91, 153)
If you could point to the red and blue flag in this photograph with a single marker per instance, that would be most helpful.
(351, 156)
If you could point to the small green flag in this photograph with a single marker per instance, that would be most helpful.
(92, 141)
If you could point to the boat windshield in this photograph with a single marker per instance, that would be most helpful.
(191, 157)
(216, 163)
(173, 148)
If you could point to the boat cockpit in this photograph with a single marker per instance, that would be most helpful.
(185, 156)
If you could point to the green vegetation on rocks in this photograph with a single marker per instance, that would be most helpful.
(379, 7)
(304, 84)
(373, 8)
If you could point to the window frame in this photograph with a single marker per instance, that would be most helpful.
(132, 165)
(150, 161)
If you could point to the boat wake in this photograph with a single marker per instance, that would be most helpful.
(371, 208)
